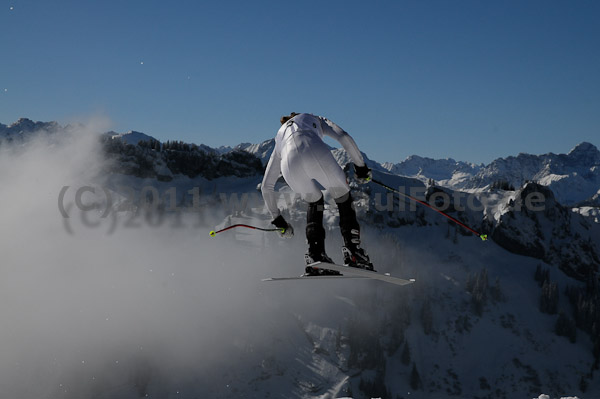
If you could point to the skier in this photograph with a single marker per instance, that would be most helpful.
(306, 162)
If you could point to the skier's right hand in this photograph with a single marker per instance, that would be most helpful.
(285, 229)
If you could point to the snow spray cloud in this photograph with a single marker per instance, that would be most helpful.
(161, 311)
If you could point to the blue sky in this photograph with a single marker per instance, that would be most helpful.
(471, 80)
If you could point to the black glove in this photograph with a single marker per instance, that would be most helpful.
(286, 230)
(362, 174)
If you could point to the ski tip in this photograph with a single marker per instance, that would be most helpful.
(212, 233)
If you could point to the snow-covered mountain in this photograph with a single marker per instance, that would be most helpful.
(23, 129)
(573, 177)
(515, 316)
(131, 137)
(447, 172)
(262, 150)
(553, 234)
(472, 326)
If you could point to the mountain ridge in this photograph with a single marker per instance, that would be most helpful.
(574, 177)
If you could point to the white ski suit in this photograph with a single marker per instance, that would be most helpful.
(306, 162)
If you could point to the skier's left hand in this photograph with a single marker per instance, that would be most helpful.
(362, 174)
(286, 229)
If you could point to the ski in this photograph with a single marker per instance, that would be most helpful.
(311, 277)
(347, 272)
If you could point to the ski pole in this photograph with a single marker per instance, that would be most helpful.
(483, 237)
(214, 233)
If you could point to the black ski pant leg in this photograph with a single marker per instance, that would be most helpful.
(315, 233)
(349, 226)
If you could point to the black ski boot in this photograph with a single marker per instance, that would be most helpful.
(315, 235)
(354, 255)
(318, 271)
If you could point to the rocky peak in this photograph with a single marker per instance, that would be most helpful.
(585, 153)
